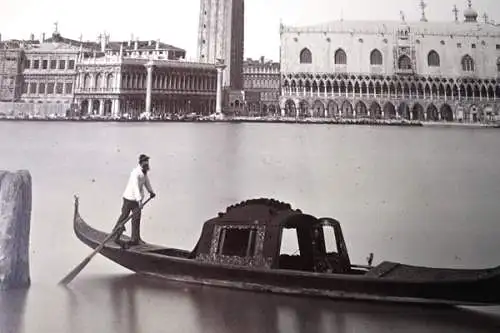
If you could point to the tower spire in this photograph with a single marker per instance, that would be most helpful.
(455, 11)
(485, 17)
(423, 5)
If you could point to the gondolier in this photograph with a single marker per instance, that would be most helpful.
(132, 198)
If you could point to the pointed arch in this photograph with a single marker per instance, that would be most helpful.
(307, 85)
(404, 111)
(305, 56)
(303, 109)
(417, 112)
(346, 109)
(404, 62)
(356, 88)
(321, 86)
(420, 91)
(413, 89)
(315, 86)
(318, 109)
(350, 88)
(290, 109)
(361, 110)
(446, 113)
(432, 113)
(434, 90)
(467, 63)
(375, 111)
(433, 59)
(389, 111)
(385, 89)
(340, 57)
(371, 88)
(427, 90)
(491, 92)
(363, 88)
(328, 86)
(441, 90)
(470, 91)
(484, 93)
(376, 57)
(332, 109)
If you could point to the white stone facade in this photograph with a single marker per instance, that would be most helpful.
(414, 70)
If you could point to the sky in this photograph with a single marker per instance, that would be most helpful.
(175, 22)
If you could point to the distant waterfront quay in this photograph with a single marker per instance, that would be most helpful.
(243, 119)
(349, 72)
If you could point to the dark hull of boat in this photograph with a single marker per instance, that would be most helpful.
(411, 285)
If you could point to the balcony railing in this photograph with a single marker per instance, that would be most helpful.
(349, 94)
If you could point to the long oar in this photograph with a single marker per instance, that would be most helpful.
(71, 275)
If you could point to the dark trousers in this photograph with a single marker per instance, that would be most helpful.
(128, 207)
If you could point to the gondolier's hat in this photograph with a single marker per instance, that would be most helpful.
(143, 158)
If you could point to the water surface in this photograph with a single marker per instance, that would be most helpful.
(423, 196)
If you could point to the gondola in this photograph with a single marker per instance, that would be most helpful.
(241, 248)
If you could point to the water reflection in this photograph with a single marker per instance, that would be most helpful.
(12, 306)
(143, 304)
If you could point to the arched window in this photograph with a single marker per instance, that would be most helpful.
(305, 56)
(433, 59)
(340, 57)
(376, 57)
(467, 63)
(404, 62)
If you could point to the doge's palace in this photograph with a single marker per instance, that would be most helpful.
(421, 70)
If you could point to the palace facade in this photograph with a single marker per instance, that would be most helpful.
(61, 76)
(428, 71)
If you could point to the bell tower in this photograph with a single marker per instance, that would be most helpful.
(221, 36)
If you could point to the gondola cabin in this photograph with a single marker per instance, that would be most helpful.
(268, 234)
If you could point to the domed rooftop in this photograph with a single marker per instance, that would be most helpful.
(470, 13)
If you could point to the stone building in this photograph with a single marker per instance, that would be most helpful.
(262, 78)
(431, 71)
(49, 76)
(113, 85)
(11, 69)
(61, 76)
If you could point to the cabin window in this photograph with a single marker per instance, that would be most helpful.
(330, 240)
(289, 242)
(239, 242)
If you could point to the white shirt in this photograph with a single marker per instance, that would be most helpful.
(135, 186)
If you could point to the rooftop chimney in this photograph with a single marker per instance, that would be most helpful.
(136, 44)
(32, 37)
(0, 37)
(158, 44)
(150, 42)
(262, 59)
(43, 37)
